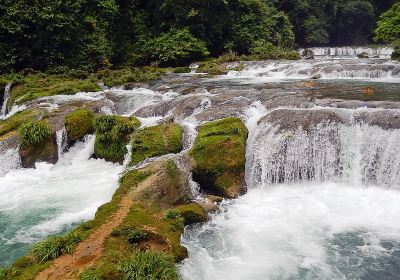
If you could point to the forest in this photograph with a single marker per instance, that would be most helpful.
(55, 36)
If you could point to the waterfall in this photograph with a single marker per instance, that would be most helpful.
(61, 137)
(353, 153)
(7, 92)
(381, 52)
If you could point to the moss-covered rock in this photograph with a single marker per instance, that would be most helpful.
(38, 143)
(112, 135)
(166, 187)
(156, 141)
(219, 154)
(78, 124)
(14, 122)
(192, 213)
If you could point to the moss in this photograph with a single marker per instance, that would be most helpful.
(181, 70)
(15, 121)
(192, 213)
(78, 124)
(219, 155)
(156, 141)
(128, 75)
(112, 135)
(33, 86)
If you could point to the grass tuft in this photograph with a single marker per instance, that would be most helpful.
(33, 133)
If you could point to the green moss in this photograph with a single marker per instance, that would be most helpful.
(181, 70)
(112, 134)
(128, 75)
(219, 155)
(192, 213)
(33, 86)
(15, 121)
(34, 133)
(156, 141)
(78, 124)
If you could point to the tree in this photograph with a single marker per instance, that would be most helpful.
(388, 29)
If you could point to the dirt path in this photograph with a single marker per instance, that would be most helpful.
(87, 251)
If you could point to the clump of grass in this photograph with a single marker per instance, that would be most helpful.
(175, 219)
(133, 234)
(149, 265)
(15, 121)
(128, 75)
(89, 274)
(3, 272)
(33, 133)
(156, 141)
(112, 135)
(55, 246)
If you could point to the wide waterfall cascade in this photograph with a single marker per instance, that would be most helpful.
(371, 70)
(350, 52)
(7, 92)
(354, 153)
(51, 198)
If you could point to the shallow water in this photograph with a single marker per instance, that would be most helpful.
(39, 202)
(310, 231)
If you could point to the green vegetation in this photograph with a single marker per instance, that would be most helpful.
(112, 135)
(14, 122)
(133, 234)
(156, 141)
(149, 265)
(33, 133)
(192, 213)
(55, 246)
(78, 124)
(219, 155)
(126, 75)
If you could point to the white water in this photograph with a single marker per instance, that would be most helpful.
(49, 199)
(351, 52)
(340, 221)
(364, 70)
(6, 96)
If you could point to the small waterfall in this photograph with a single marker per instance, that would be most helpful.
(7, 93)
(9, 160)
(61, 136)
(351, 152)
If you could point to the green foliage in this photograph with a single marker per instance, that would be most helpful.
(156, 141)
(128, 75)
(55, 246)
(90, 275)
(133, 234)
(315, 32)
(78, 124)
(112, 135)
(265, 50)
(191, 213)
(172, 214)
(388, 29)
(149, 266)
(176, 47)
(33, 133)
(396, 52)
(15, 121)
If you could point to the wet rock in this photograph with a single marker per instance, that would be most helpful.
(316, 77)
(307, 54)
(192, 213)
(219, 157)
(43, 152)
(386, 119)
(363, 55)
(293, 119)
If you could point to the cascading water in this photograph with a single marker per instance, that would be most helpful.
(322, 203)
(52, 198)
(343, 52)
(7, 92)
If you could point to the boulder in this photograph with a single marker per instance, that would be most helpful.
(78, 124)
(307, 54)
(363, 55)
(219, 155)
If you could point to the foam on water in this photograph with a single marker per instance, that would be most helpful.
(49, 199)
(322, 231)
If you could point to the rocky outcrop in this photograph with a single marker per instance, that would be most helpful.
(219, 157)
(363, 55)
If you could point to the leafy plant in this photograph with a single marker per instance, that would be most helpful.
(55, 246)
(149, 266)
(33, 133)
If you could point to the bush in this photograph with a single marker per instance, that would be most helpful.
(149, 266)
(388, 29)
(266, 50)
(55, 246)
(33, 133)
(112, 135)
(177, 47)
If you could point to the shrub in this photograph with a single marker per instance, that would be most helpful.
(33, 133)
(112, 135)
(149, 266)
(55, 246)
(176, 47)
(266, 50)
